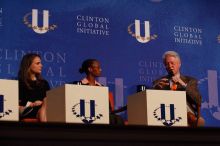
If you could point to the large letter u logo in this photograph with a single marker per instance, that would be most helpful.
(146, 38)
(92, 108)
(35, 26)
(163, 113)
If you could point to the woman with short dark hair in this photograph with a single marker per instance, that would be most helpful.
(92, 69)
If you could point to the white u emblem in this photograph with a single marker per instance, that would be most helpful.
(146, 38)
(35, 26)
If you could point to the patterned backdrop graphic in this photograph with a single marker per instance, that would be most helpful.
(128, 37)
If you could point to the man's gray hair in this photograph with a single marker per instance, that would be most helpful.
(171, 53)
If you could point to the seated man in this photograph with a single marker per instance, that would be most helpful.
(176, 81)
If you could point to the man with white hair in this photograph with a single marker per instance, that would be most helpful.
(176, 81)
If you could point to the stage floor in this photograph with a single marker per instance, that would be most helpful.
(60, 134)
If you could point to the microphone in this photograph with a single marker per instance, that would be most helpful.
(170, 74)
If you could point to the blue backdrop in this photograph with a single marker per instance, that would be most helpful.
(106, 30)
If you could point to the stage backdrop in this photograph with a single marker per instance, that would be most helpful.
(127, 36)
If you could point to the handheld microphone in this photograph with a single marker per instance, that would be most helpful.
(170, 74)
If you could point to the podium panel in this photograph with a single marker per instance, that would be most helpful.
(158, 108)
(9, 100)
(78, 104)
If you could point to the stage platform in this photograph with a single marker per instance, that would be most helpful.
(59, 134)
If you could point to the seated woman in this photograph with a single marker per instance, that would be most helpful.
(92, 69)
(32, 88)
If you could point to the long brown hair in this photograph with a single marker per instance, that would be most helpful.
(24, 74)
